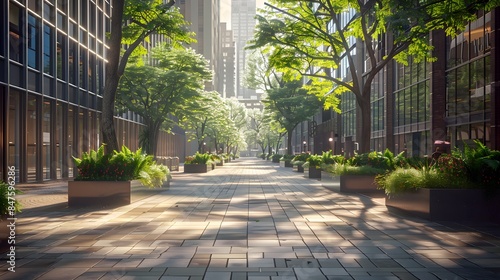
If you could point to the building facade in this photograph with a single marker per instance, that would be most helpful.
(204, 18)
(227, 72)
(52, 62)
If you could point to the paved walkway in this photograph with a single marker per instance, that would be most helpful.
(249, 219)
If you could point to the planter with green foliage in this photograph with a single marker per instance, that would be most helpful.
(357, 174)
(105, 179)
(276, 158)
(199, 163)
(312, 167)
(285, 161)
(298, 161)
(461, 186)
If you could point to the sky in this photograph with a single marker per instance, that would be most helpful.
(225, 13)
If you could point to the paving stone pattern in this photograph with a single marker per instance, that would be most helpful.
(249, 219)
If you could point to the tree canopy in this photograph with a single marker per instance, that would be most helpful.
(314, 38)
(132, 22)
(159, 91)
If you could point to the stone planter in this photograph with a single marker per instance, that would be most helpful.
(448, 204)
(195, 168)
(298, 168)
(220, 163)
(286, 163)
(98, 193)
(312, 173)
(359, 184)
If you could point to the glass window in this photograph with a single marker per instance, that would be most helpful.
(462, 95)
(34, 5)
(48, 59)
(14, 135)
(48, 12)
(92, 18)
(73, 10)
(83, 13)
(46, 132)
(59, 140)
(82, 68)
(91, 73)
(15, 33)
(61, 21)
(61, 55)
(72, 61)
(71, 146)
(62, 4)
(31, 139)
(33, 41)
(450, 92)
(478, 87)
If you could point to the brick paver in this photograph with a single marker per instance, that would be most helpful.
(249, 219)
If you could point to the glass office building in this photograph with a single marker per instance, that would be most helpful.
(52, 61)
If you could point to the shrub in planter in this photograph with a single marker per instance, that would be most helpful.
(276, 158)
(285, 160)
(466, 181)
(197, 163)
(105, 179)
(298, 161)
(123, 165)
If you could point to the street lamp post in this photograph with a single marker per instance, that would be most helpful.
(305, 148)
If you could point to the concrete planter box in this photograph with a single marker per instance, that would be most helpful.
(285, 163)
(312, 173)
(220, 163)
(195, 168)
(98, 193)
(298, 168)
(359, 184)
(448, 204)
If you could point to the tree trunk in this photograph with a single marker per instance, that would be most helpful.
(153, 138)
(112, 79)
(366, 127)
(289, 142)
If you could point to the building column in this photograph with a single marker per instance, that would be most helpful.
(438, 87)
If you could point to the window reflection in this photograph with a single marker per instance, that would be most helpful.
(15, 34)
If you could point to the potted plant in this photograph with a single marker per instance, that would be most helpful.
(216, 161)
(9, 207)
(298, 161)
(276, 158)
(197, 163)
(462, 186)
(285, 160)
(357, 174)
(328, 161)
(106, 179)
(312, 166)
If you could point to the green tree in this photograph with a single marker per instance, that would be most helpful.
(237, 113)
(157, 92)
(132, 22)
(202, 117)
(323, 34)
(290, 104)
